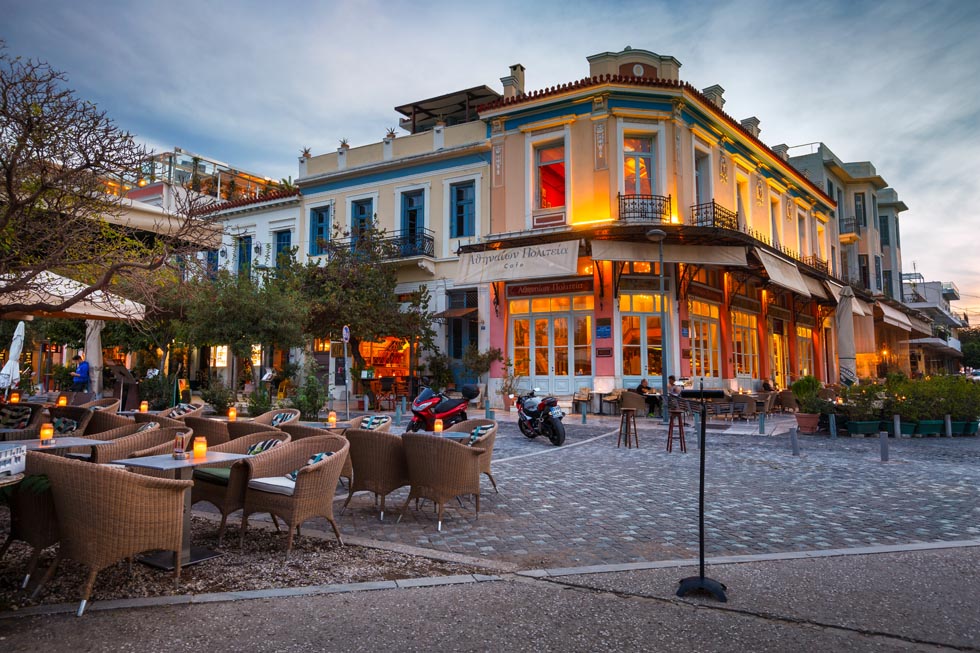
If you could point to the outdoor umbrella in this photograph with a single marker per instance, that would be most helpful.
(846, 350)
(51, 288)
(10, 375)
(93, 353)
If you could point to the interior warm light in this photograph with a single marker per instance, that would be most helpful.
(14, 397)
(437, 427)
(144, 406)
(63, 400)
(142, 182)
(674, 219)
(232, 414)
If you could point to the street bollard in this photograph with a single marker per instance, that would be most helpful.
(489, 414)
(398, 415)
(833, 426)
(762, 423)
(949, 426)
(897, 425)
(883, 439)
(585, 409)
(794, 441)
(404, 399)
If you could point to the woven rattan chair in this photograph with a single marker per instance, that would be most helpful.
(378, 461)
(106, 515)
(180, 412)
(787, 402)
(32, 516)
(358, 421)
(312, 493)
(263, 422)
(126, 445)
(440, 469)
(223, 485)
(298, 432)
(485, 442)
(103, 420)
(28, 426)
(215, 431)
(165, 422)
(108, 405)
(80, 416)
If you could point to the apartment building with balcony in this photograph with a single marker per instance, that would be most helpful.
(938, 351)
(588, 180)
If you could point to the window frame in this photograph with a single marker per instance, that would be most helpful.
(326, 209)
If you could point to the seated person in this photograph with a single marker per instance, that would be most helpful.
(767, 386)
(673, 387)
(654, 402)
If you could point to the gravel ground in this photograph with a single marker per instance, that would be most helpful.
(260, 564)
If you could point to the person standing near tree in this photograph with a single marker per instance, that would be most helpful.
(80, 375)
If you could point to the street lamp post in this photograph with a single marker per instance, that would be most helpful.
(657, 236)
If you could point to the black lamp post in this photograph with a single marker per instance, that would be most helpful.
(657, 236)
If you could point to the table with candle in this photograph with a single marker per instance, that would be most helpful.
(57, 444)
(182, 469)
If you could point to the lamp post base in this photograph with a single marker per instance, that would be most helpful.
(703, 585)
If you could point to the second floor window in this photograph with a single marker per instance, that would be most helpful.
(245, 255)
(462, 198)
(361, 213)
(883, 230)
(319, 229)
(413, 211)
(859, 211)
(637, 166)
(878, 273)
(550, 178)
(212, 262)
(284, 245)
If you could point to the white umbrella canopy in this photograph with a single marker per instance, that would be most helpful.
(93, 354)
(846, 349)
(51, 288)
(10, 375)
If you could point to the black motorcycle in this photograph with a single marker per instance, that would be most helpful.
(540, 416)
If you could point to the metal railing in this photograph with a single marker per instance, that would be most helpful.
(403, 244)
(849, 226)
(644, 208)
(712, 214)
(816, 263)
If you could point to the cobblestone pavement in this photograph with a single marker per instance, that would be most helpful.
(588, 502)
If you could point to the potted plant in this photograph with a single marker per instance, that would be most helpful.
(927, 396)
(508, 384)
(810, 404)
(863, 407)
(440, 371)
(479, 364)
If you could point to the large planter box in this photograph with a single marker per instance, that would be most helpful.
(956, 428)
(971, 428)
(863, 428)
(808, 422)
(907, 428)
(930, 427)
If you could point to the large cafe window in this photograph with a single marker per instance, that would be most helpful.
(637, 165)
(550, 178)
(705, 341)
(555, 332)
(745, 347)
(804, 350)
(642, 335)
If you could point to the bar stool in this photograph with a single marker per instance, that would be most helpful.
(676, 416)
(627, 427)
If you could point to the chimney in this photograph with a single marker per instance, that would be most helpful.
(782, 150)
(751, 125)
(714, 95)
(514, 82)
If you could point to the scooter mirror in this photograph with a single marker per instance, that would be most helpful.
(537, 389)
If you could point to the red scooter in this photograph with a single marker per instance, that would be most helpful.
(430, 406)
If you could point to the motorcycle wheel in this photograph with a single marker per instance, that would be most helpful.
(414, 426)
(556, 432)
(460, 417)
(526, 430)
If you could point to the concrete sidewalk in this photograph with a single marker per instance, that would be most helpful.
(919, 599)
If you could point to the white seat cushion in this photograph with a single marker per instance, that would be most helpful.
(275, 484)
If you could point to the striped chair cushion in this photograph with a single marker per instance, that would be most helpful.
(315, 458)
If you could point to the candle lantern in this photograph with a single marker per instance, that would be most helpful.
(437, 427)
(144, 406)
(14, 397)
(63, 400)
(332, 419)
(47, 433)
(200, 447)
(232, 414)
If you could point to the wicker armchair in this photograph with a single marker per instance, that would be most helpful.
(106, 515)
(182, 411)
(440, 469)
(80, 416)
(223, 485)
(273, 417)
(378, 461)
(13, 416)
(165, 422)
(298, 432)
(108, 405)
(787, 402)
(103, 420)
(359, 420)
(215, 431)
(312, 493)
(124, 446)
(32, 516)
(485, 442)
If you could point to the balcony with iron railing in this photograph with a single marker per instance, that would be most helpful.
(644, 208)
(712, 214)
(404, 244)
(850, 230)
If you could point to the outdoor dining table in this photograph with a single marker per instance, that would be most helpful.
(56, 443)
(183, 470)
(10, 479)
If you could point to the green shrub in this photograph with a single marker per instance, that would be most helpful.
(217, 394)
(863, 403)
(259, 402)
(805, 391)
(310, 397)
(158, 391)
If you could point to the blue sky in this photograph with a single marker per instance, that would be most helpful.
(252, 83)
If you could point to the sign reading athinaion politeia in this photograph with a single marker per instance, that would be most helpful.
(546, 260)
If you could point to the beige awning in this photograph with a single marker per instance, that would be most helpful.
(618, 250)
(783, 272)
(920, 326)
(530, 262)
(835, 289)
(894, 317)
(815, 287)
(861, 308)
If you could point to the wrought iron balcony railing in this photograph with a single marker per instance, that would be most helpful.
(850, 226)
(644, 208)
(403, 244)
(816, 263)
(712, 214)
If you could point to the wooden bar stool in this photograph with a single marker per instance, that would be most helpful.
(627, 427)
(676, 416)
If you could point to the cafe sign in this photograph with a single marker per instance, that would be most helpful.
(545, 260)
